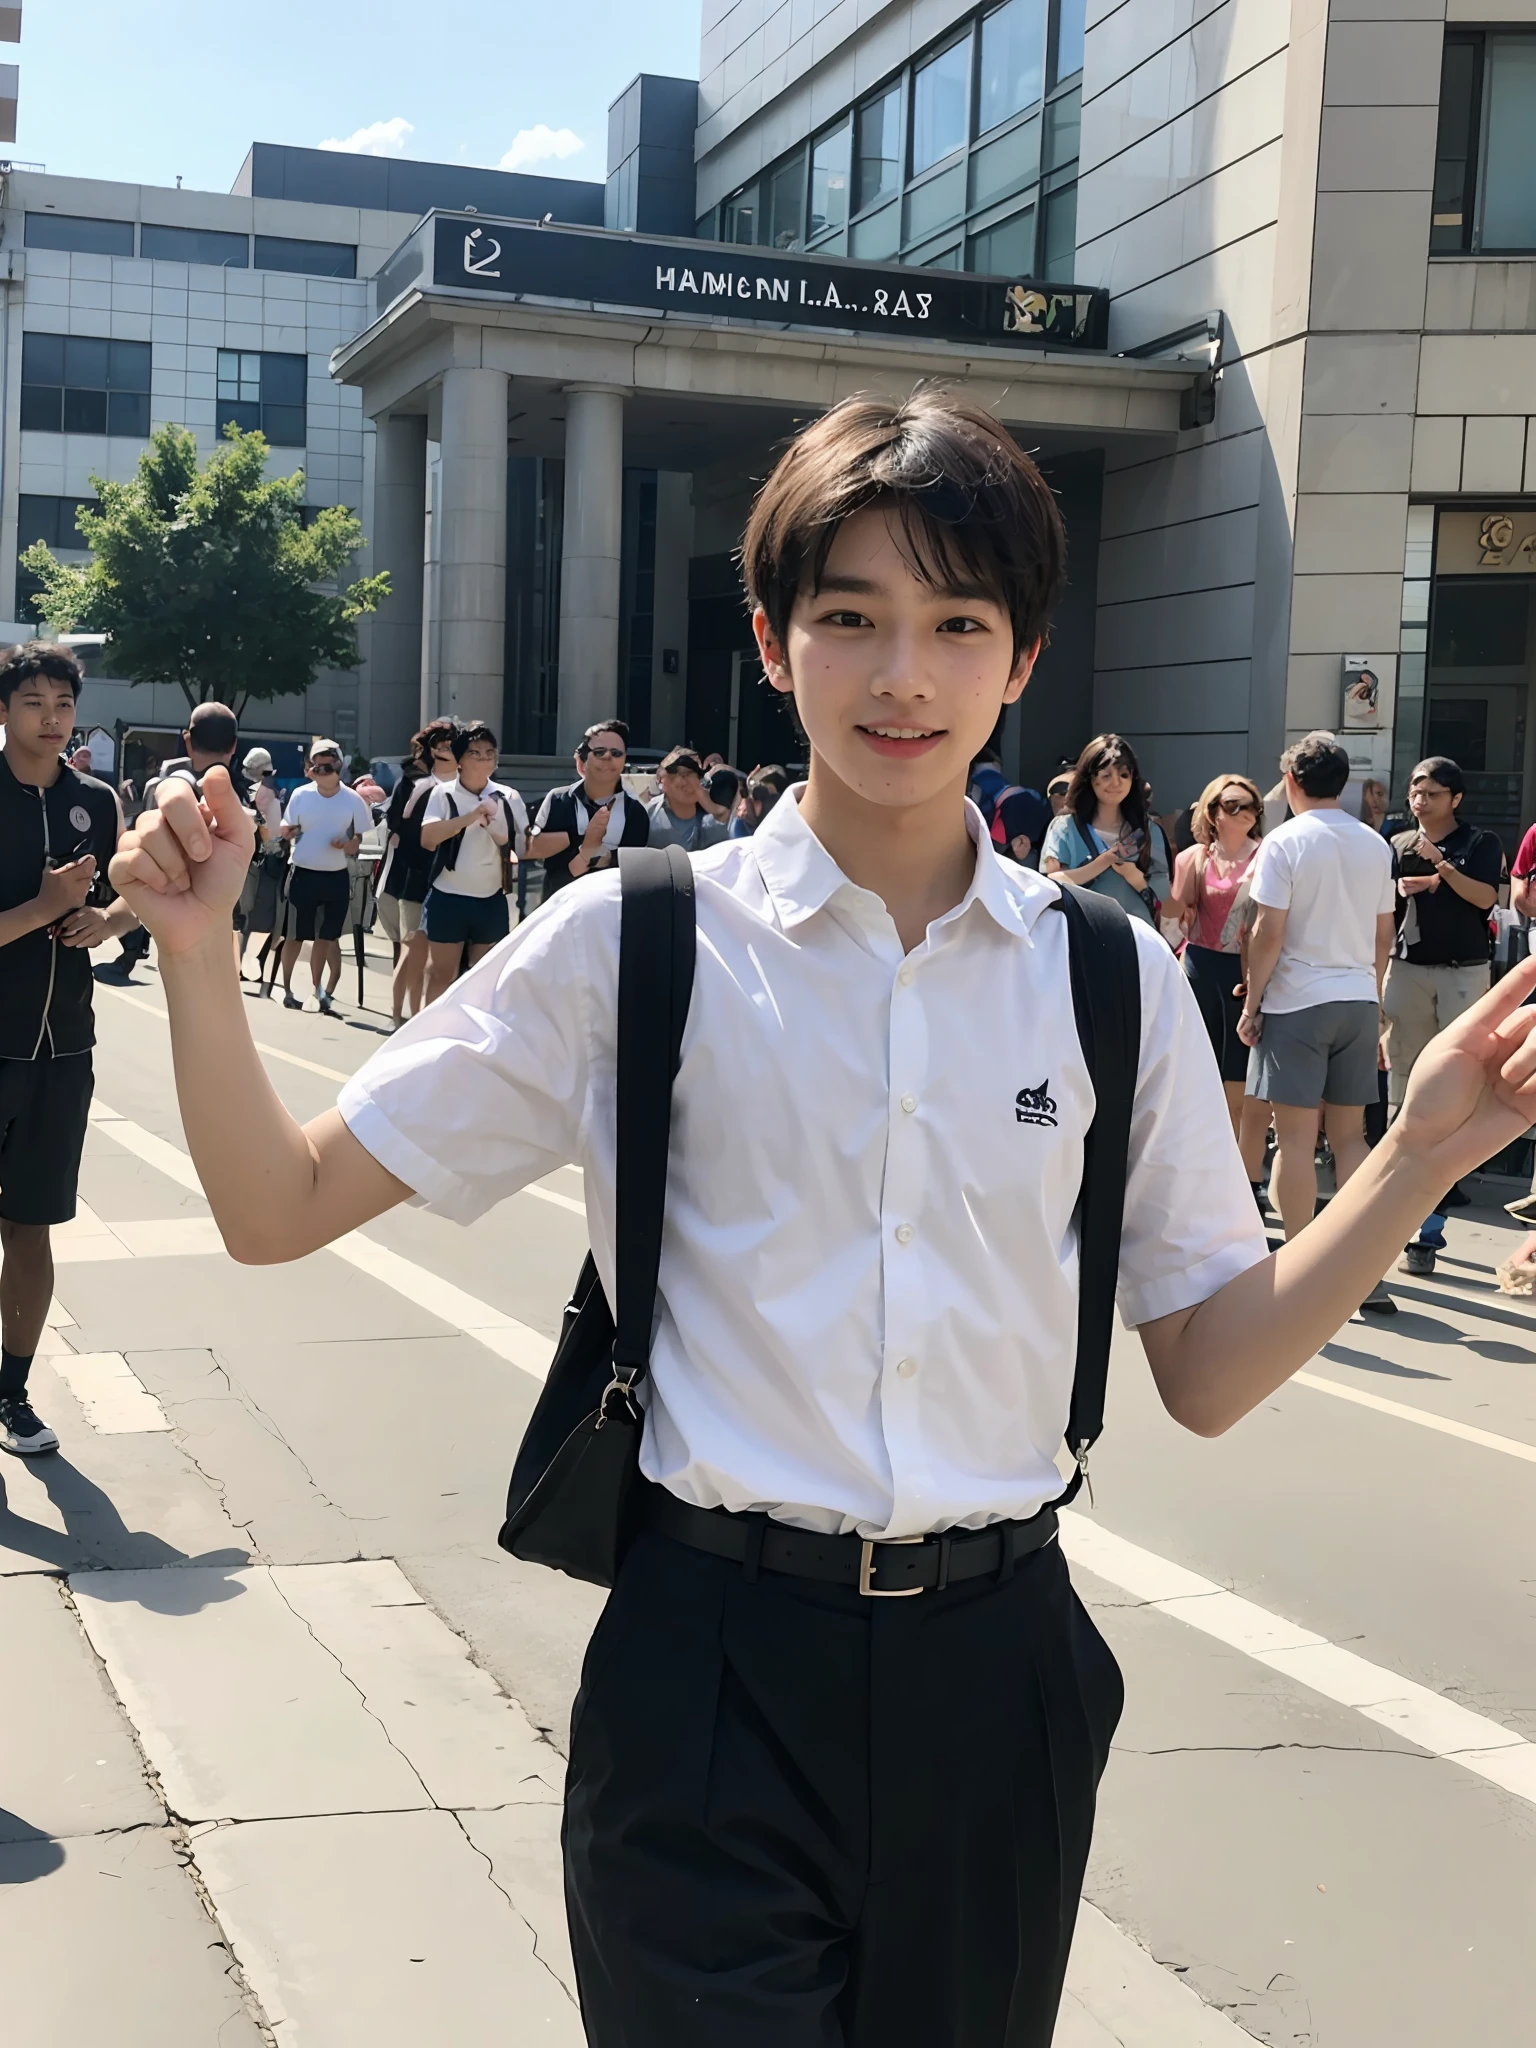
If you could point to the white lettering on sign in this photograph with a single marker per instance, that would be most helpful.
(665, 278)
(717, 281)
(740, 284)
(477, 262)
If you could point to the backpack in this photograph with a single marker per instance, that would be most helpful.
(446, 854)
(577, 1473)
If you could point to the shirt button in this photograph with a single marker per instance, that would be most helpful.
(909, 1103)
(905, 1233)
(907, 1368)
(904, 976)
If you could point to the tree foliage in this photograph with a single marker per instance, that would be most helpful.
(206, 575)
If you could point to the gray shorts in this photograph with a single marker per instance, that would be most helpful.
(1326, 1053)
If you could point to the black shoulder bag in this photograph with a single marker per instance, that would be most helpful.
(577, 1468)
(575, 1479)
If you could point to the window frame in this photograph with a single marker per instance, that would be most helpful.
(119, 394)
(240, 409)
(165, 227)
(1474, 196)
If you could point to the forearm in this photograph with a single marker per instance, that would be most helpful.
(120, 919)
(1232, 1351)
(1090, 871)
(436, 830)
(1263, 957)
(545, 845)
(26, 917)
(1481, 895)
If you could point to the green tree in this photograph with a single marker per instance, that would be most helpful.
(206, 575)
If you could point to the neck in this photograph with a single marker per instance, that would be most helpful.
(917, 858)
(1301, 803)
(597, 791)
(680, 807)
(1441, 828)
(1107, 818)
(1229, 843)
(40, 766)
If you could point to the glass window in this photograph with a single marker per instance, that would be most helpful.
(1009, 165)
(875, 237)
(829, 179)
(738, 217)
(707, 226)
(314, 259)
(196, 245)
(264, 391)
(1012, 60)
(941, 92)
(82, 384)
(877, 151)
(935, 204)
(1006, 250)
(1456, 146)
(1060, 251)
(52, 520)
(1070, 20)
(72, 231)
(940, 255)
(1509, 164)
(1063, 123)
(786, 204)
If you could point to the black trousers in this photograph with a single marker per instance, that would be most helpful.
(799, 1818)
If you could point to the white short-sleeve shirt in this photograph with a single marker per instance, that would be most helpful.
(868, 1298)
(477, 868)
(1332, 876)
(320, 819)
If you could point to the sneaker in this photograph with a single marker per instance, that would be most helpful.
(292, 1002)
(1378, 1302)
(22, 1429)
(324, 999)
(1418, 1259)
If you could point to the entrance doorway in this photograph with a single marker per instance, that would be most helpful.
(1479, 696)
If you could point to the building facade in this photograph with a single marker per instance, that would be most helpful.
(1255, 279)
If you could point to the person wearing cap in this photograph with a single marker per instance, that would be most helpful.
(260, 899)
(1447, 876)
(678, 816)
(323, 824)
(1321, 883)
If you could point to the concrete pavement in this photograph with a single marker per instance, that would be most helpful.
(290, 1726)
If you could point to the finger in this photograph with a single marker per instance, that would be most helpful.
(231, 820)
(133, 867)
(1518, 1064)
(181, 815)
(162, 863)
(1501, 1001)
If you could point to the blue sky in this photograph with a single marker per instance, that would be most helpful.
(184, 86)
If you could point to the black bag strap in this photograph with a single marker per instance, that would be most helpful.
(656, 955)
(1106, 1003)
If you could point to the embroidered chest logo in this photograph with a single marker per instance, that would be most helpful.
(1035, 1105)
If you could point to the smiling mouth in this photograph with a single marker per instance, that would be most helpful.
(901, 739)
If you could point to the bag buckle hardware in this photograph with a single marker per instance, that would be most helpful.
(867, 1569)
(629, 1408)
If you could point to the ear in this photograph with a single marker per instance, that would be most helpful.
(1023, 668)
(771, 652)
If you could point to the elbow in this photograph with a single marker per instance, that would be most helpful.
(252, 1246)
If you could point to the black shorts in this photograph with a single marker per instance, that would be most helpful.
(450, 920)
(44, 1107)
(1213, 977)
(317, 902)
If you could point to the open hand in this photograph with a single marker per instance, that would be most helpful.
(1250, 1027)
(182, 866)
(1473, 1088)
(84, 927)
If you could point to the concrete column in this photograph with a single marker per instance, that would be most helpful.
(589, 560)
(472, 545)
(399, 537)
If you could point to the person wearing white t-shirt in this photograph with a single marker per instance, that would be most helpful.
(1322, 883)
(323, 824)
(467, 826)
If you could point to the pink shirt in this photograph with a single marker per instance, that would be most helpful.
(1217, 891)
(1525, 859)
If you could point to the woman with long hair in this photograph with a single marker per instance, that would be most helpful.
(1210, 898)
(1103, 840)
(407, 867)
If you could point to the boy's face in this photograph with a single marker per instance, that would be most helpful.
(477, 764)
(898, 685)
(41, 714)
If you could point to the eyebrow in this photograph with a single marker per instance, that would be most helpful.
(864, 586)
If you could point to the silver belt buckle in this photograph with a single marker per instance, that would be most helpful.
(867, 1570)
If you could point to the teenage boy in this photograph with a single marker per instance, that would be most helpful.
(1447, 876)
(58, 830)
(678, 816)
(580, 828)
(1317, 954)
(324, 825)
(798, 1814)
(469, 826)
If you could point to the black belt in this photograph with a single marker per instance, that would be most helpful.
(881, 1569)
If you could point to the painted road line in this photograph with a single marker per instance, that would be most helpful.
(1406, 1412)
(115, 1400)
(560, 1201)
(521, 1345)
(275, 1052)
(1415, 1712)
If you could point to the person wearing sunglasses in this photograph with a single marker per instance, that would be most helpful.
(1210, 899)
(324, 822)
(579, 829)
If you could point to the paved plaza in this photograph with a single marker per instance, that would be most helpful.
(286, 1730)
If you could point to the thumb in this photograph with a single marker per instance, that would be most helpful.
(223, 805)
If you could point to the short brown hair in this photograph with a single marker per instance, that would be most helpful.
(1319, 764)
(1202, 821)
(974, 510)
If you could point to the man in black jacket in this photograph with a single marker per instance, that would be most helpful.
(580, 828)
(58, 830)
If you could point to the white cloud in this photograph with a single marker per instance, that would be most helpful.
(540, 145)
(379, 138)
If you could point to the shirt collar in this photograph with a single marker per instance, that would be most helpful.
(801, 877)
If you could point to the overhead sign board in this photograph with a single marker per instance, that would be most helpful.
(767, 287)
(1484, 543)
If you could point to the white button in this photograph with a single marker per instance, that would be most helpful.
(909, 1103)
(907, 1368)
(905, 975)
(905, 1233)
